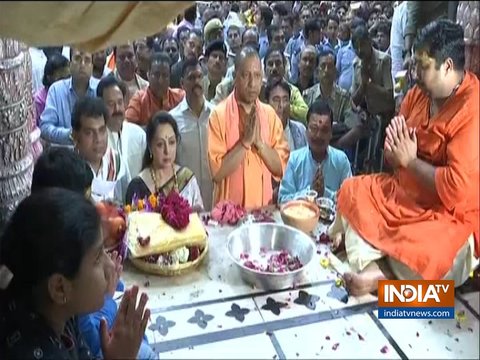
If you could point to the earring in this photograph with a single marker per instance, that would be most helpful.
(64, 299)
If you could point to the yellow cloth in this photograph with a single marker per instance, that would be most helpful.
(89, 25)
(163, 238)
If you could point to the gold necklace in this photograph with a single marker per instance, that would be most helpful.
(154, 178)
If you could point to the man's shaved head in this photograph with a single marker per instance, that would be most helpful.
(247, 52)
(248, 75)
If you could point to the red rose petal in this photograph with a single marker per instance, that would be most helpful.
(384, 349)
(335, 346)
(360, 337)
(418, 334)
(327, 337)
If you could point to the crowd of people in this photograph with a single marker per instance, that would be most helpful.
(256, 103)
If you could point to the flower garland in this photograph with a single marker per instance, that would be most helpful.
(174, 208)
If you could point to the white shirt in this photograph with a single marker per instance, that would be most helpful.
(131, 145)
(116, 188)
(192, 151)
(39, 60)
(399, 23)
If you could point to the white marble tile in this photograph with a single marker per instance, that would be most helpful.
(325, 303)
(220, 321)
(336, 339)
(438, 338)
(215, 278)
(249, 347)
(473, 300)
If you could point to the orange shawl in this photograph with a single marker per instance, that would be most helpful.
(398, 215)
(250, 185)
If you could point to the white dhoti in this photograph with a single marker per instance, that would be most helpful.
(360, 253)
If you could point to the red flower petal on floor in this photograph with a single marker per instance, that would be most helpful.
(323, 239)
(335, 346)
(348, 333)
(384, 349)
(418, 334)
(327, 337)
(360, 337)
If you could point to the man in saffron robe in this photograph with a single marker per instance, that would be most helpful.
(246, 146)
(421, 222)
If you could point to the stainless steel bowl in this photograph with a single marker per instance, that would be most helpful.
(252, 237)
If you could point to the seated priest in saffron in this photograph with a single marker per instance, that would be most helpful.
(422, 221)
(246, 145)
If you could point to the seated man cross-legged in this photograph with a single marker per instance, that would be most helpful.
(318, 166)
(422, 221)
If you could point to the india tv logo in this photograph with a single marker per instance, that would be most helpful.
(416, 299)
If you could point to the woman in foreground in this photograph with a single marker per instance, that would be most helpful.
(53, 268)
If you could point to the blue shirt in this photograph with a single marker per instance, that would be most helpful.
(263, 40)
(291, 44)
(89, 326)
(345, 57)
(301, 169)
(56, 119)
(334, 48)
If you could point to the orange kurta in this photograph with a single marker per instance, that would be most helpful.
(398, 215)
(257, 180)
(144, 104)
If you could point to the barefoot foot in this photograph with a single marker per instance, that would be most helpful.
(364, 283)
(338, 244)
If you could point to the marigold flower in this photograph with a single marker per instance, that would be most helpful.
(325, 263)
(140, 204)
(152, 199)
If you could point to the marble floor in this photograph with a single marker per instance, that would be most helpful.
(211, 313)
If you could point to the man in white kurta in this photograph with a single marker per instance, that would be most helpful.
(126, 138)
(112, 179)
(192, 116)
